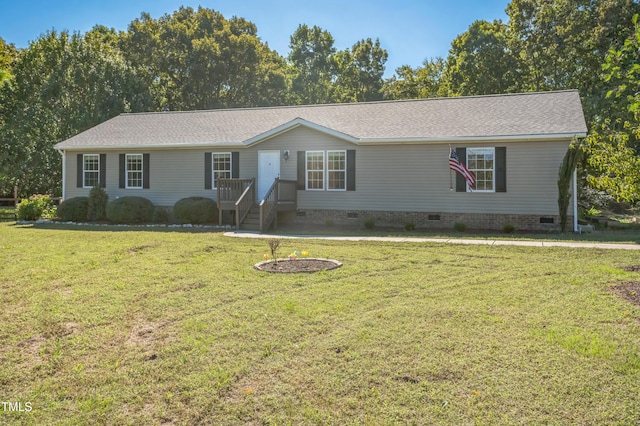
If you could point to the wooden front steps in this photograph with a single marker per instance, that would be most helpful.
(252, 221)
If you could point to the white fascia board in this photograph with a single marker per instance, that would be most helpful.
(296, 123)
(468, 139)
(125, 147)
(300, 122)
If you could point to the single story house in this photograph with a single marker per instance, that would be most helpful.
(343, 163)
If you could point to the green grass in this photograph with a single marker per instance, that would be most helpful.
(631, 236)
(7, 213)
(141, 327)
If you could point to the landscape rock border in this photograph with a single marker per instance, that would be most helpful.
(305, 265)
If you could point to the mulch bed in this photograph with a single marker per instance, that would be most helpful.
(628, 291)
(298, 265)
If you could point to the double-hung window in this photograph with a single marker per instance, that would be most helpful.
(315, 170)
(90, 170)
(336, 170)
(134, 171)
(221, 166)
(481, 161)
(326, 170)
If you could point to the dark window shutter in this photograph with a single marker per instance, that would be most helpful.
(461, 183)
(103, 170)
(501, 169)
(123, 172)
(351, 170)
(302, 170)
(207, 170)
(145, 170)
(80, 182)
(235, 165)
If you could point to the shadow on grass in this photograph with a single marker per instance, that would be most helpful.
(118, 228)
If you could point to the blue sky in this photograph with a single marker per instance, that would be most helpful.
(410, 30)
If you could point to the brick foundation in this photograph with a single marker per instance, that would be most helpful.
(357, 218)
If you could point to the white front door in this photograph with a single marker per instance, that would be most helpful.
(268, 171)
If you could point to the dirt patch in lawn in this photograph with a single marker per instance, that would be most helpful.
(297, 265)
(146, 334)
(628, 291)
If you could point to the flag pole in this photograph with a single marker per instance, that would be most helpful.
(450, 171)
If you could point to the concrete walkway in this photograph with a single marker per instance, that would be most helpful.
(488, 242)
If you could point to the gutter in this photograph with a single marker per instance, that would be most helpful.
(367, 141)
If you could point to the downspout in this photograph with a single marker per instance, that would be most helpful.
(64, 173)
(575, 200)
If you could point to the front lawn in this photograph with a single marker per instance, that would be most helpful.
(7, 213)
(148, 327)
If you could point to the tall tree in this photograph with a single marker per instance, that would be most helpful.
(480, 62)
(360, 72)
(614, 144)
(561, 44)
(422, 82)
(200, 60)
(8, 55)
(312, 66)
(61, 85)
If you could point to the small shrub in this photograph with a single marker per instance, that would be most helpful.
(409, 226)
(592, 211)
(508, 228)
(274, 245)
(196, 210)
(74, 209)
(459, 226)
(160, 215)
(130, 210)
(369, 223)
(98, 199)
(35, 207)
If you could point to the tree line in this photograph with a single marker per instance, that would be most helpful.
(64, 83)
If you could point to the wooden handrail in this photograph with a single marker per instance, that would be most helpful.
(269, 207)
(245, 202)
(229, 190)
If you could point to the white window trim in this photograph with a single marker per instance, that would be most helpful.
(85, 171)
(493, 183)
(344, 151)
(126, 171)
(213, 169)
(324, 173)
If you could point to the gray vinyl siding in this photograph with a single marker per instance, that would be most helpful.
(401, 177)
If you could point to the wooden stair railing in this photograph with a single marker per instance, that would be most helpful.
(229, 193)
(244, 203)
(269, 207)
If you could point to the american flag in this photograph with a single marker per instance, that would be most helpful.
(457, 166)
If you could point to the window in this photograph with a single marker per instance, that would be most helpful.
(481, 161)
(326, 170)
(221, 166)
(90, 170)
(315, 170)
(336, 170)
(134, 171)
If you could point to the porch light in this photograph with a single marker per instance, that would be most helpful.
(285, 155)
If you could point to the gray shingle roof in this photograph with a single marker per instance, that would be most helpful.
(436, 119)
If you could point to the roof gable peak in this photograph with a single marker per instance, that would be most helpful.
(298, 122)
